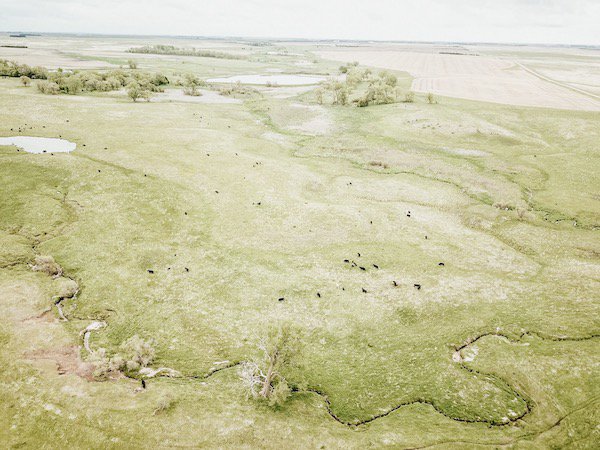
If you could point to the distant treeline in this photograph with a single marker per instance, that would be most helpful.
(68, 82)
(172, 50)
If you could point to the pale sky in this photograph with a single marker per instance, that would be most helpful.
(519, 21)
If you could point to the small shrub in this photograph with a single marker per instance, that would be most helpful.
(101, 363)
(132, 64)
(47, 265)
(66, 288)
(409, 97)
(503, 206)
(378, 164)
(192, 91)
(25, 80)
(319, 95)
(431, 99)
(165, 403)
(137, 352)
(48, 87)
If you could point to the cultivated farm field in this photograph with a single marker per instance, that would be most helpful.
(500, 78)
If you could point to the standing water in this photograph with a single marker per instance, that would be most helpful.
(39, 144)
(285, 80)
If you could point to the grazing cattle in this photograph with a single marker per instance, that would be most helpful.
(319, 294)
(418, 286)
(150, 271)
(143, 384)
(354, 264)
(216, 192)
(364, 290)
(99, 171)
(185, 212)
(441, 264)
(281, 299)
(395, 284)
(362, 268)
(376, 266)
(358, 255)
(187, 270)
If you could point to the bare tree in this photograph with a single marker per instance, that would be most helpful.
(264, 379)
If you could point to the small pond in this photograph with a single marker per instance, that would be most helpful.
(282, 80)
(39, 144)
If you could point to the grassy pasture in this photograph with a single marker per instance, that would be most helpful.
(506, 197)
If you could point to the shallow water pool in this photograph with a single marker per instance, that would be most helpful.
(33, 144)
(283, 80)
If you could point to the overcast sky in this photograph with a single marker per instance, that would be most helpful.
(526, 21)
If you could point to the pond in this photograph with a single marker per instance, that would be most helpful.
(39, 144)
(282, 80)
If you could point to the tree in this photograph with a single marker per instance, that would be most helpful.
(48, 87)
(132, 64)
(134, 91)
(319, 95)
(388, 78)
(409, 97)
(25, 81)
(72, 85)
(264, 379)
(191, 83)
(146, 94)
(431, 99)
(379, 93)
(340, 92)
(354, 76)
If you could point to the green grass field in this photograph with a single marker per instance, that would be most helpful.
(234, 206)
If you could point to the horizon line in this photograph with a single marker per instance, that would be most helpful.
(298, 39)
